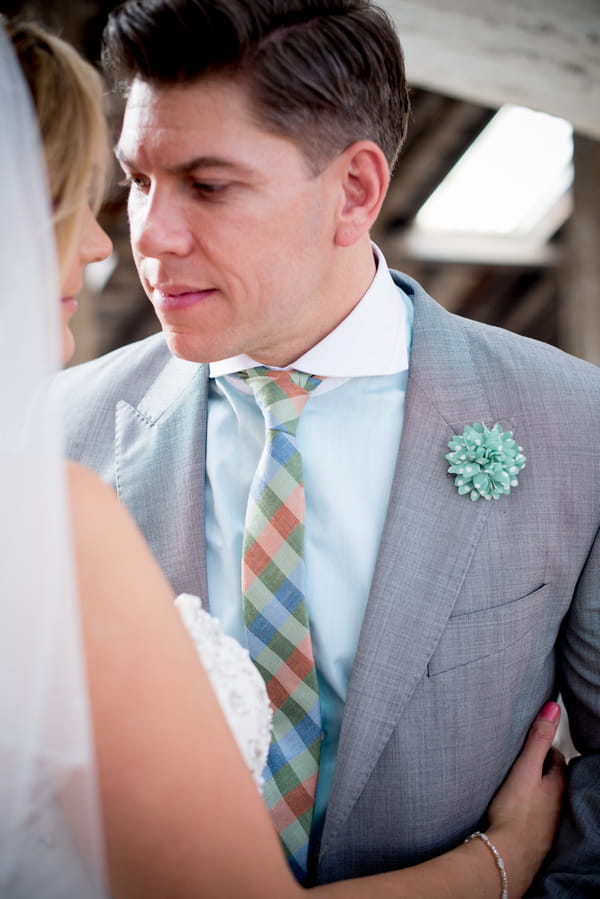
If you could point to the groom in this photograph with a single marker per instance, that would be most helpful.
(258, 140)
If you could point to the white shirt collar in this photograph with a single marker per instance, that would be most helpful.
(371, 340)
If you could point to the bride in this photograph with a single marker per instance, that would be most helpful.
(161, 796)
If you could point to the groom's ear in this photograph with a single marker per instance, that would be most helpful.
(364, 178)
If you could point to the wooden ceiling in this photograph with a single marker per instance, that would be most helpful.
(545, 288)
(485, 279)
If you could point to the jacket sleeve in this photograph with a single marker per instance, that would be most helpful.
(573, 868)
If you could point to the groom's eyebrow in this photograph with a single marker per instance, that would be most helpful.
(191, 165)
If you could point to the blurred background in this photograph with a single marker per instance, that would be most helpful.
(495, 203)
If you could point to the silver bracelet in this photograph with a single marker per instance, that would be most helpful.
(497, 858)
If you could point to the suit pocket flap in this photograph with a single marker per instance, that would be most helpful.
(474, 636)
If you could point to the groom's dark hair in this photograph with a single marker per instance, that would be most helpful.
(324, 73)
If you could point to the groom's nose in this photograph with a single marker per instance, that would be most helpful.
(159, 226)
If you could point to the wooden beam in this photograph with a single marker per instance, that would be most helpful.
(533, 305)
(580, 284)
(450, 284)
(544, 54)
(470, 249)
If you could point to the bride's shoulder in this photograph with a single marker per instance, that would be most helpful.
(103, 530)
(84, 483)
(93, 503)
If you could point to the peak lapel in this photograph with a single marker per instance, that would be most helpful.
(160, 463)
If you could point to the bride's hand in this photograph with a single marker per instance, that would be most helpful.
(524, 813)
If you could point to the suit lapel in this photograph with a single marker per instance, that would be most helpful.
(428, 542)
(160, 451)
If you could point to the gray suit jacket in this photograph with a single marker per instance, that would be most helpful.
(478, 612)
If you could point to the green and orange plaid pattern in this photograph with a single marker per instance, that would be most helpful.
(275, 610)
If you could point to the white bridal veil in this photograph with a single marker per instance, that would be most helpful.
(50, 837)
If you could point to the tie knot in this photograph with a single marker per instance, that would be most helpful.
(280, 395)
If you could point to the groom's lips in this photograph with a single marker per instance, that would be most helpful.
(174, 298)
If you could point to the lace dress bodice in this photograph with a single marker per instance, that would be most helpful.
(239, 687)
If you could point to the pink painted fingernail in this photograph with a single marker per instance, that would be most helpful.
(550, 712)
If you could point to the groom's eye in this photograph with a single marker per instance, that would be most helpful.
(133, 181)
(208, 188)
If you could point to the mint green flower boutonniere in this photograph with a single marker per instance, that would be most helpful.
(485, 463)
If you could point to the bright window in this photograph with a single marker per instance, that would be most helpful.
(508, 180)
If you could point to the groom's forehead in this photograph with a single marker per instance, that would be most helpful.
(206, 123)
(205, 110)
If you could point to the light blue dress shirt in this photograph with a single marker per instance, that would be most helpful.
(348, 436)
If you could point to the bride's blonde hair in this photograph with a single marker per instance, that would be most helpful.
(67, 94)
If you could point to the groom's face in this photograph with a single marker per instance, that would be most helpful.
(232, 233)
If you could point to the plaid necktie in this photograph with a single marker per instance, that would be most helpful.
(275, 611)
